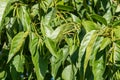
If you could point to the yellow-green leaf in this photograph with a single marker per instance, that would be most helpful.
(89, 50)
(105, 43)
(17, 43)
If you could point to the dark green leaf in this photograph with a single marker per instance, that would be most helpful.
(99, 18)
(66, 8)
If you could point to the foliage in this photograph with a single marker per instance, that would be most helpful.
(60, 40)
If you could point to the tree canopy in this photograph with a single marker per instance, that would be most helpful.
(60, 40)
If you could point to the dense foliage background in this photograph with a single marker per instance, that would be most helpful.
(60, 40)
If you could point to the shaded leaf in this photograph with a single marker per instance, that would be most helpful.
(66, 8)
(98, 67)
(116, 23)
(99, 18)
(51, 46)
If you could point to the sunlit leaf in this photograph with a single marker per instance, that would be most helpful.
(68, 72)
(17, 43)
(18, 62)
(39, 63)
(116, 31)
(89, 50)
(24, 18)
(105, 43)
(89, 26)
(48, 17)
(117, 54)
(2, 74)
(55, 65)
(75, 18)
(82, 50)
(108, 15)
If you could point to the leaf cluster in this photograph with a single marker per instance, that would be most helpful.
(60, 40)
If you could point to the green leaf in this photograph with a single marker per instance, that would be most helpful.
(96, 48)
(51, 46)
(24, 17)
(105, 43)
(2, 74)
(118, 8)
(45, 4)
(9, 8)
(116, 23)
(87, 38)
(55, 65)
(13, 73)
(97, 60)
(35, 57)
(68, 73)
(72, 45)
(52, 34)
(75, 18)
(18, 62)
(95, 2)
(98, 67)
(17, 43)
(5, 18)
(89, 26)
(48, 17)
(117, 32)
(99, 18)
(66, 8)
(108, 15)
(89, 50)
(117, 54)
(40, 64)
